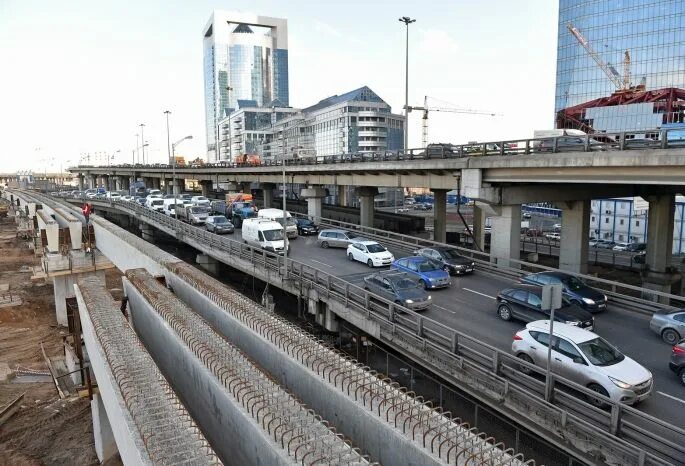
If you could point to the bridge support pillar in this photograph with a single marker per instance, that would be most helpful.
(93, 182)
(207, 263)
(342, 198)
(575, 229)
(659, 275)
(440, 215)
(178, 182)
(232, 187)
(314, 196)
(156, 183)
(478, 229)
(366, 205)
(268, 194)
(246, 188)
(168, 186)
(206, 187)
(146, 232)
(505, 239)
(63, 289)
(105, 444)
(117, 183)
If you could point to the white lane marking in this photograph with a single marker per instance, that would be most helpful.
(478, 292)
(443, 308)
(322, 263)
(671, 397)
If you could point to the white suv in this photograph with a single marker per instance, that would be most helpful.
(586, 359)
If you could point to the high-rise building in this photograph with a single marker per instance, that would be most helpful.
(245, 58)
(620, 64)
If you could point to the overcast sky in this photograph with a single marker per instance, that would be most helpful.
(80, 76)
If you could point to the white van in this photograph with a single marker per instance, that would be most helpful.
(264, 233)
(155, 203)
(170, 206)
(277, 216)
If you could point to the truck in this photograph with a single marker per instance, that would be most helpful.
(195, 215)
(239, 207)
(137, 189)
(277, 216)
(265, 234)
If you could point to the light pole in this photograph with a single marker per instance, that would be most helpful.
(111, 157)
(142, 139)
(168, 141)
(285, 212)
(136, 152)
(173, 166)
(230, 138)
(407, 21)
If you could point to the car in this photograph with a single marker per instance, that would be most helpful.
(155, 203)
(306, 227)
(669, 325)
(451, 261)
(574, 289)
(428, 272)
(399, 288)
(605, 244)
(524, 302)
(337, 238)
(636, 247)
(585, 358)
(557, 226)
(114, 196)
(639, 258)
(200, 201)
(401, 210)
(553, 236)
(140, 200)
(423, 206)
(568, 144)
(369, 252)
(219, 224)
(677, 363)
(620, 246)
(526, 215)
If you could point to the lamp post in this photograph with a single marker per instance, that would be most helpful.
(173, 165)
(230, 137)
(407, 21)
(111, 157)
(136, 152)
(142, 139)
(168, 141)
(285, 212)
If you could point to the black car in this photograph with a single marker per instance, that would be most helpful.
(306, 227)
(575, 290)
(677, 363)
(451, 261)
(636, 247)
(524, 302)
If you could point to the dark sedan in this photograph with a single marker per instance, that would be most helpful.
(575, 290)
(677, 363)
(219, 224)
(306, 227)
(451, 261)
(399, 288)
(524, 302)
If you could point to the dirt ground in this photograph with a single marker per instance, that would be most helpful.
(46, 430)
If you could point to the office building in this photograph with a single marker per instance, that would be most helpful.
(245, 58)
(620, 65)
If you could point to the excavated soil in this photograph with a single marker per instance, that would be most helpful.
(46, 430)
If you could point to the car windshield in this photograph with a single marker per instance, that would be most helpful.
(573, 283)
(241, 205)
(201, 198)
(351, 234)
(306, 222)
(273, 235)
(600, 352)
(375, 247)
(450, 253)
(427, 266)
(157, 202)
(404, 284)
(291, 222)
(220, 220)
(197, 210)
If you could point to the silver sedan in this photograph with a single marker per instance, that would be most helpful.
(669, 324)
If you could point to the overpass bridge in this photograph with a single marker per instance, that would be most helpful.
(464, 357)
(238, 377)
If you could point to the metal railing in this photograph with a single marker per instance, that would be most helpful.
(495, 375)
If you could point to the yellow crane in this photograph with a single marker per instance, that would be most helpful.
(425, 109)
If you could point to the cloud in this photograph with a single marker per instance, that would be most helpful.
(325, 28)
(436, 40)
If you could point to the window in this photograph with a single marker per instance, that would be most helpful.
(534, 300)
(402, 262)
(637, 223)
(620, 222)
(567, 349)
(520, 295)
(679, 317)
(592, 219)
(412, 266)
(606, 220)
(542, 338)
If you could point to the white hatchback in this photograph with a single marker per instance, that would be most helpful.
(371, 253)
(585, 358)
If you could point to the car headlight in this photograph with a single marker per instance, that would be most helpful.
(588, 301)
(605, 297)
(572, 322)
(620, 384)
(409, 301)
(429, 297)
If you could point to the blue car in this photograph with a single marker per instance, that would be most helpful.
(429, 273)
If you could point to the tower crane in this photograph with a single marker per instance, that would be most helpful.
(425, 109)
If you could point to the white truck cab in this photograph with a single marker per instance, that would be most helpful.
(264, 233)
(277, 216)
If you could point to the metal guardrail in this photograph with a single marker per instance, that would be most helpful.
(620, 141)
(636, 437)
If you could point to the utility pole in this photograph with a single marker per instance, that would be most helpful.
(551, 301)
(407, 21)
(230, 138)
(142, 140)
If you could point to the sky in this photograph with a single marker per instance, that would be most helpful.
(79, 77)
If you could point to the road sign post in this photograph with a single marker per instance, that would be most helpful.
(551, 300)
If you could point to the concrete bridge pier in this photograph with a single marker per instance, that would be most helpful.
(505, 239)
(178, 183)
(168, 187)
(156, 183)
(208, 263)
(314, 196)
(105, 443)
(323, 315)
(81, 182)
(659, 275)
(366, 205)
(147, 232)
(93, 182)
(341, 195)
(206, 186)
(575, 230)
(63, 289)
(268, 194)
(478, 228)
(440, 215)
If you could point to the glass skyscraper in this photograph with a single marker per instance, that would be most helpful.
(619, 48)
(249, 55)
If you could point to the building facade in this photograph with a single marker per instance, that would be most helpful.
(640, 46)
(245, 58)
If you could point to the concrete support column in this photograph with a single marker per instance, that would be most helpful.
(117, 183)
(366, 206)
(659, 274)
(440, 215)
(177, 185)
(575, 235)
(93, 182)
(342, 197)
(246, 188)
(105, 444)
(232, 187)
(146, 232)
(156, 183)
(63, 288)
(168, 187)
(81, 183)
(314, 196)
(268, 194)
(208, 263)
(206, 187)
(478, 229)
(505, 240)
(124, 183)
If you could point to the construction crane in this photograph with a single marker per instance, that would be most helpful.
(425, 109)
(622, 83)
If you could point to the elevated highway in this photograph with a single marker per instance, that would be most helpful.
(460, 332)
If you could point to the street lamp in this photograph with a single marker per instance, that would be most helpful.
(407, 21)
(173, 165)
(168, 142)
(142, 139)
(230, 138)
